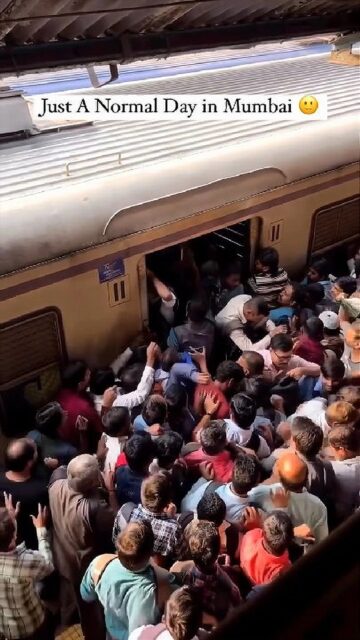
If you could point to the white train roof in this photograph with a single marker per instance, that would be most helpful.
(58, 191)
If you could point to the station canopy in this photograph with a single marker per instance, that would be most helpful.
(44, 34)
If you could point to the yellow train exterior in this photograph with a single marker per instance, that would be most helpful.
(65, 218)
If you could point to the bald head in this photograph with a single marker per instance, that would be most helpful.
(20, 455)
(83, 473)
(292, 471)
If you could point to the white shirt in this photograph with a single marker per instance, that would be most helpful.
(234, 503)
(167, 308)
(164, 635)
(231, 321)
(134, 398)
(315, 410)
(115, 446)
(240, 436)
(303, 508)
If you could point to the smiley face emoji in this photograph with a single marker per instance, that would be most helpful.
(308, 105)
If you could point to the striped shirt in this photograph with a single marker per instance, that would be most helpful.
(21, 611)
(268, 286)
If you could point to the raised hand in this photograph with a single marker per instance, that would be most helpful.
(41, 519)
(9, 505)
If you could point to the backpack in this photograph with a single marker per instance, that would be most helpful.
(163, 589)
(124, 514)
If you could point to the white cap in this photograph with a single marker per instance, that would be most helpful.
(330, 320)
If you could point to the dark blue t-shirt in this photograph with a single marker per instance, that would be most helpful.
(128, 485)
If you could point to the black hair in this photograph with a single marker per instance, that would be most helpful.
(73, 374)
(175, 396)
(333, 368)
(255, 362)
(139, 452)
(212, 508)
(116, 421)
(345, 437)
(314, 293)
(314, 328)
(278, 532)
(347, 284)
(230, 268)
(260, 305)
(269, 257)
(357, 268)
(131, 377)
(281, 342)
(204, 544)
(243, 409)
(100, 380)
(49, 418)
(228, 370)
(24, 453)
(246, 473)
(154, 410)
(259, 390)
(197, 309)
(213, 438)
(168, 448)
(321, 266)
(169, 357)
(307, 436)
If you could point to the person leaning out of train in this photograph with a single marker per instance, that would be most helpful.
(245, 320)
(287, 303)
(269, 279)
(318, 272)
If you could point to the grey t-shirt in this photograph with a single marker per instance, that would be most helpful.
(347, 487)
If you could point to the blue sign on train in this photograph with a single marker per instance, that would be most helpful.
(111, 270)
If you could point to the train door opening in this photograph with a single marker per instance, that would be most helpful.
(181, 267)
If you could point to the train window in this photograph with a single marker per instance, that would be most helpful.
(275, 231)
(118, 291)
(335, 225)
(31, 352)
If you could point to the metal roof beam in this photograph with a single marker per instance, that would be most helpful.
(71, 53)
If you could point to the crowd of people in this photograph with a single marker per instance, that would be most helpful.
(152, 497)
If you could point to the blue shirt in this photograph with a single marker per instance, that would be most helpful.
(281, 312)
(128, 485)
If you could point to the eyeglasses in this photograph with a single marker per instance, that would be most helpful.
(282, 357)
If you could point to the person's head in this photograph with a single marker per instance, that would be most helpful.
(135, 545)
(212, 508)
(341, 413)
(243, 410)
(318, 270)
(139, 452)
(183, 614)
(256, 311)
(278, 532)
(156, 492)
(231, 275)
(352, 336)
(154, 410)
(197, 310)
(332, 374)
(83, 474)
(168, 448)
(331, 323)
(343, 287)
(245, 475)
(131, 376)
(213, 438)
(7, 531)
(314, 329)
(267, 261)
(292, 472)
(314, 294)
(259, 390)
(100, 380)
(49, 419)
(228, 375)
(252, 363)
(345, 442)
(21, 456)
(306, 436)
(350, 394)
(288, 294)
(210, 269)
(117, 422)
(168, 358)
(76, 375)
(204, 544)
(281, 349)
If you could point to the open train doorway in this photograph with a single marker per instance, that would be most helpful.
(188, 267)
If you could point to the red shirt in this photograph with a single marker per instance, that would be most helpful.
(224, 407)
(310, 350)
(77, 404)
(260, 565)
(222, 463)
